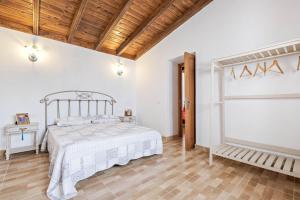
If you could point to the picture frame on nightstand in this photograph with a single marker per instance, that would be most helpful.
(22, 119)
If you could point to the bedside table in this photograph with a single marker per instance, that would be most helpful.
(128, 119)
(20, 138)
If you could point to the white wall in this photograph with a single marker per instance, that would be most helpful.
(60, 67)
(274, 122)
(221, 29)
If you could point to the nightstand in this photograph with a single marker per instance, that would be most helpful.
(20, 138)
(128, 119)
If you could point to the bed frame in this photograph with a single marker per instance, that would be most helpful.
(78, 96)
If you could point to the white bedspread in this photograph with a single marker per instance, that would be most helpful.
(78, 152)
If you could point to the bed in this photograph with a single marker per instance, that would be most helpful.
(78, 149)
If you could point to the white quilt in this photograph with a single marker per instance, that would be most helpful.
(78, 152)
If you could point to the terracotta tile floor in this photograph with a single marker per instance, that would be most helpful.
(175, 175)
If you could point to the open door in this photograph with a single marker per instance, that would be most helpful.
(189, 84)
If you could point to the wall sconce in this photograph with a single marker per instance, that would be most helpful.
(120, 67)
(32, 52)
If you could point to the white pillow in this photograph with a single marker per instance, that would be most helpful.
(70, 121)
(101, 119)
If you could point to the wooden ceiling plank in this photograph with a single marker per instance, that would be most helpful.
(36, 16)
(18, 6)
(114, 21)
(120, 27)
(52, 35)
(7, 23)
(107, 5)
(161, 9)
(9, 15)
(77, 18)
(187, 15)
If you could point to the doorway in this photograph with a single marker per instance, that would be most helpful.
(186, 100)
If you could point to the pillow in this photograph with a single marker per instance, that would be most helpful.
(101, 119)
(70, 121)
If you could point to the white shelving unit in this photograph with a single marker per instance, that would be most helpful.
(275, 158)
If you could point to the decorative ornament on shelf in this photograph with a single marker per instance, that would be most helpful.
(32, 51)
(128, 112)
(120, 67)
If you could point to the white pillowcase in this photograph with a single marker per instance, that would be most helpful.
(70, 121)
(101, 119)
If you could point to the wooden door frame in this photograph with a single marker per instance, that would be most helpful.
(179, 71)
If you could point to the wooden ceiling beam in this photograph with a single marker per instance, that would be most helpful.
(154, 16)
(36, 17)
(113, 22)
(76, 20)
(126, 15)
(187, 15)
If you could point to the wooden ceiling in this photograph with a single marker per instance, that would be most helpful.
(127, 28)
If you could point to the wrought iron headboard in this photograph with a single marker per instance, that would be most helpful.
(77, 96)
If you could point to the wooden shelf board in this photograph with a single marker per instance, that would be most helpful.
(270, 161)
(278, 50)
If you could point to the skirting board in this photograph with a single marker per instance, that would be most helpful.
(169, 138)
(202, 148)
(176, 137)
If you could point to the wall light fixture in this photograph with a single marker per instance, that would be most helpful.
(32, 51)
(120, 67)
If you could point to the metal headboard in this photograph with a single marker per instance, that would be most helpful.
(77, 96)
